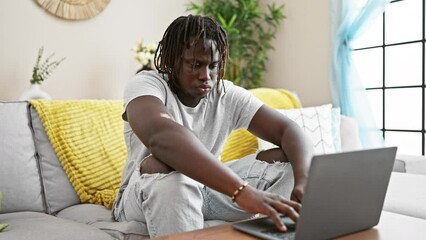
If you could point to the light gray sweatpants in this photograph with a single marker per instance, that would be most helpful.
(171, 203)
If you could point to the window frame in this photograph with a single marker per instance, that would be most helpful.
(385, 88)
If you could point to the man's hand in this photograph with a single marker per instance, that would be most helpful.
(152, 165)
(272, 205)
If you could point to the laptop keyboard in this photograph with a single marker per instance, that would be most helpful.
(275, 233)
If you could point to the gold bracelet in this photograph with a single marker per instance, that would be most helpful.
(235, 194)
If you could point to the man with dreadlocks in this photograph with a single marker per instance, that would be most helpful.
(177, 119)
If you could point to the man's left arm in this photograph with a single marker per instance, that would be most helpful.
(276, 128)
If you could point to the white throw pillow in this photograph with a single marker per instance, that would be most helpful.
(317, 123)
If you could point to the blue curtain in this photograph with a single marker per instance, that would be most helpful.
(347, 89)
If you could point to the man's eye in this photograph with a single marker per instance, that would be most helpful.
(195, 65)
(213, 66)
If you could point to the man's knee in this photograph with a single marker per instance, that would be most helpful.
(151, 165)
(272, 155)
(173, 187)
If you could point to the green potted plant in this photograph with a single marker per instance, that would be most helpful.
(250, 32)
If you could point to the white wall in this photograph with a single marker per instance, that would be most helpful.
(98, 56)
(300, 61)
(99, 60)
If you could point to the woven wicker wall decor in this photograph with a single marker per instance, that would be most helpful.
(74, 9)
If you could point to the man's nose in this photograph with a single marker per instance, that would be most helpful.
(204, 74)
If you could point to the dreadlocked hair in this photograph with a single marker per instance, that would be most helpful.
(185, 32)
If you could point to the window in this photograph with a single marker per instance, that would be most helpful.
(390, 60)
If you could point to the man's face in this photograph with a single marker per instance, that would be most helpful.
(198, 72)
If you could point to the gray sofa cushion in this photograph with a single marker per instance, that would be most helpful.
(101, 217)
(40, 226)
(59, 192)
(19, 176)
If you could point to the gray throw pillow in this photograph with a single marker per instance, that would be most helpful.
(59, 193)
(19, 173)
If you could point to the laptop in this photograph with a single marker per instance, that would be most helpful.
(344, 194)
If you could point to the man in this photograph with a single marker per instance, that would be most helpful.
(176, 123)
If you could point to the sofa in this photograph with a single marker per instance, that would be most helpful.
(46, 197)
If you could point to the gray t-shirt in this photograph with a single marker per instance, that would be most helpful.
(211, 121)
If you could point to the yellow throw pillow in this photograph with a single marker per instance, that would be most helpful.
(87, 136)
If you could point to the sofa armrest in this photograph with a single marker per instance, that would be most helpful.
(350, 141)
(410, 164)
(406, 195)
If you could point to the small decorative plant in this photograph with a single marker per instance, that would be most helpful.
(250, 32)
(144, 54)
(43, 69)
